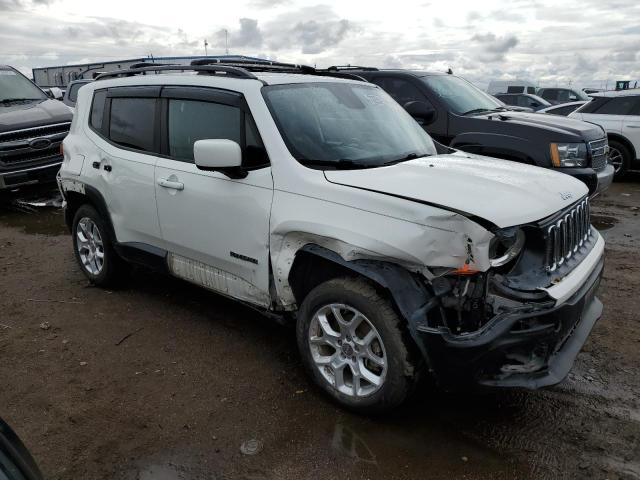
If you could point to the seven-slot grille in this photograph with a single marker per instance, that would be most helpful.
(599, 153)
(567, 234)
(32, 146)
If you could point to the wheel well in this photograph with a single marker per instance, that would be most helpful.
(309, 271)
(91, 197)
(74, 201)
(625, 142)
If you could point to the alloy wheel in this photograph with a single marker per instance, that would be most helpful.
(616, 159)
(347, 350)
(90, 246)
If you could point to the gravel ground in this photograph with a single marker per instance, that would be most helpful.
(162, 380)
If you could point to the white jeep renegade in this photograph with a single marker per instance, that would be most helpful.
(321, 200)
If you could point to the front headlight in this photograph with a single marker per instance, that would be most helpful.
(569, 154)
(506, 246)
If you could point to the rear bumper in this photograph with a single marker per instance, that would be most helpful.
(531, 346)
(29, 176)
(597, 181)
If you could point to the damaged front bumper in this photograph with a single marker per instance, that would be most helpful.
(531, 345)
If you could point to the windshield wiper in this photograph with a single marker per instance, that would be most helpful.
(13, 100)
(477, 110)
(410, 156)
(341, 164)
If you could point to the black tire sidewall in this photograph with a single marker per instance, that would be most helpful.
(108, 272)
(400, 373)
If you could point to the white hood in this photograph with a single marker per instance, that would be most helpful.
(503, 192)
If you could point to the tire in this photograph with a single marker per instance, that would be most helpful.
(622, 156)
(94, 250)
(394, 368)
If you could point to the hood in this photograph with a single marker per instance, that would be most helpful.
(559, 128)
(504, 193)
(36, 114)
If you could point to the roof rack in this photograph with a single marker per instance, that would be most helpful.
(232, 71)
(337, 68)
(235, 68)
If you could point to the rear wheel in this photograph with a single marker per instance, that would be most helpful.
(351, 341)
(619, 157)
(93, 249)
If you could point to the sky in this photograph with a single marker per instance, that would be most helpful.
(570, 42)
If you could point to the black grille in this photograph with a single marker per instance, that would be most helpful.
(599, 150)
(18, 149)
(567, 234)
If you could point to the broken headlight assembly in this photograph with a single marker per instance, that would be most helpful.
(569, 154)
(505, 246)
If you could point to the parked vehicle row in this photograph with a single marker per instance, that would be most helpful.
(459, 115)
(618, 112)
(316, 198)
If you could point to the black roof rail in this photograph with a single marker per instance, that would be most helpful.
(257, 65)
(149, 64)
(337, 68)
(237, 72)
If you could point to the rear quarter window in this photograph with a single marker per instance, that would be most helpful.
(97, 110)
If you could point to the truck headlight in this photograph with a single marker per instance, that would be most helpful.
(569, 154)
(506, 246)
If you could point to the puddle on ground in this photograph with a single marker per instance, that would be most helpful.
(39, 214)
(603, 222)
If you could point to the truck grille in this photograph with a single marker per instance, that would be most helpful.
(599, 150)
(32, 146)
(567, 234)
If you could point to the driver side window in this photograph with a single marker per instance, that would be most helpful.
(401, 90)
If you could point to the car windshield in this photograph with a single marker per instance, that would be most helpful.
(14, 86)
(460, 96)
(345, 125)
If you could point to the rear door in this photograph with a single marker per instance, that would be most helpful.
(123, 127)
(215, 228)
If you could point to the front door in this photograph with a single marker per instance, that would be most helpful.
(215, 228)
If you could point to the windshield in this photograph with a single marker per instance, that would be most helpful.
(345, 125)
(14, 86)
(461, 96)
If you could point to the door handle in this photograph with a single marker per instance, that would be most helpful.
(633, 126)
(163, 182)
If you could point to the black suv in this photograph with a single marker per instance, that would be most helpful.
(458, 114)
(32, 127)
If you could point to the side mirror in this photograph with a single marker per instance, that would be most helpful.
(54, 93)
(421, 111)
(219, 155)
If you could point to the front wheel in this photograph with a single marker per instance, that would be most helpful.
(351, 342)
(619, 157)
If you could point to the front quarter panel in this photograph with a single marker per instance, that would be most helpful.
(432, 237)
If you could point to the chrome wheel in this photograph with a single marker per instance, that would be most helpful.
(90, 246)
(347, 350)
(616, 159)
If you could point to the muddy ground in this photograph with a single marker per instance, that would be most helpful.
(200, 378)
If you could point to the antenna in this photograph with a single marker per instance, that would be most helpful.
(206, 44)
(226, 40)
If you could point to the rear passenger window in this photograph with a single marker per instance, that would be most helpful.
(97, 109)
(618, 106)
(132, 123)
(191, 120)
